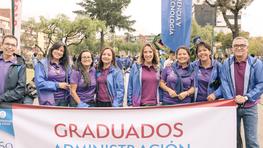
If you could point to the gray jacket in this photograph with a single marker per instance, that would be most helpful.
(15, 82)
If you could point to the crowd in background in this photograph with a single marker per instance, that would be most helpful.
(99, 81)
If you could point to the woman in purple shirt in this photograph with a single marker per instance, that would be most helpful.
(207, 71)
(144, 78)
(110, 83)
(177, 80)
(52, 76)
(83, 81)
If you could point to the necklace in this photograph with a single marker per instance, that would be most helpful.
(56, 69)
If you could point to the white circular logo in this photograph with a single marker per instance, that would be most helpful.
(2, 114)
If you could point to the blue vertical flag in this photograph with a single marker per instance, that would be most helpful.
(176, 23)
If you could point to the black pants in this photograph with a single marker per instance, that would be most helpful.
(103, 104)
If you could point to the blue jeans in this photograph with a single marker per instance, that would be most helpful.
(250, 124)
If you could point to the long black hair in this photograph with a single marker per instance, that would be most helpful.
(79, 67)
(65, 58)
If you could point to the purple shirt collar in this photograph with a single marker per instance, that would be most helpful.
(244, 61)
(201, 66)
(13, 61)
(179, 66)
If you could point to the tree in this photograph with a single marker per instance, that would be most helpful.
(131, 47)
(109, 11)
(204, 32)
(256, 46)
(61, 28)
(226, 39)
(29, 37)
(232, 6)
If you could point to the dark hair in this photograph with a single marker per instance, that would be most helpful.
(172, 52)
(65, 58)
(79, 67)
(155, 60)
(100, 65)
(9, 36)
(202, 44)
(185, 48)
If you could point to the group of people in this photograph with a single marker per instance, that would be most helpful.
(82, 85)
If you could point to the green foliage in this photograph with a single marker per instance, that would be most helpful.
(226, 39)
(256, 46)
(61, 28)
(88, 44)
(109, 11)
(131, 47)
(204, 32)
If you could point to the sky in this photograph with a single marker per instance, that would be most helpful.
(147, 13)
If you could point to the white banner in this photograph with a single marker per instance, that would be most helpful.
(203, 125)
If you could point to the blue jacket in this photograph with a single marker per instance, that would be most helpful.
(253, 81)
(215, 75)
(123, 63)
(115, 86)
(45, 88)
(135, 86)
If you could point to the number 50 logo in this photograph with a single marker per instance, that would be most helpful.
(6, 145)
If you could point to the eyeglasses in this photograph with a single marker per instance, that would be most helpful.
(9, 44)
(85, 57)
(239, 45)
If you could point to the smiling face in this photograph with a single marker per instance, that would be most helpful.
(9, 46)
(107, 56)
(86, 59)
(240, 48)
(182, 56)
(148, 54)
(203, 53)
(57, 54)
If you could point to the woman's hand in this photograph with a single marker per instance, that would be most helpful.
(63, 85)
(172, 93)
(183, 95)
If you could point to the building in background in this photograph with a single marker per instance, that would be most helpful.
(5, 22)
(206, 15)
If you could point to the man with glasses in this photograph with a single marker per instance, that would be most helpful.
(13, 72)
(242, 80)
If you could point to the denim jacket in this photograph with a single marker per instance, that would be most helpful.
(115, 86)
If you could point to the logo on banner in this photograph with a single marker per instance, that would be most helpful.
(2, 114)
(6, 121)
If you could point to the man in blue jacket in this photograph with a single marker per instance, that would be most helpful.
(242, 80)
(13, 72)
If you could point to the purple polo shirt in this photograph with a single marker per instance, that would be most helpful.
(239, 70)
(149, 85)
(4, 67)
(86, 93)
(204, 75)
(170, 78)
(57, 73)
(102, 85)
